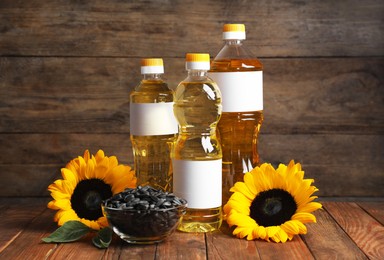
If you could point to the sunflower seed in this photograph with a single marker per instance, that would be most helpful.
(143, 198)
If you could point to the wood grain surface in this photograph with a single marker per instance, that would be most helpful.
(67, 67)
(344, 230)
(33, 161)
(357, 223)
(326, 233)
(79, 95)
(171, 28)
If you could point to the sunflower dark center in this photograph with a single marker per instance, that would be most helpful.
(87, 197)
(273, 207)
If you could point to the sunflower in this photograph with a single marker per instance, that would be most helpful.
(272, 204)
(86, 182)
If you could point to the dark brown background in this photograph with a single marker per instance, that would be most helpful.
(67, 67)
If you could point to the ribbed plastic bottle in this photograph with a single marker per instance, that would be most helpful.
(197, 156)
(239, 76)
(153, 127)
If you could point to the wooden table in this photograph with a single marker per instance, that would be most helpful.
(345, 229)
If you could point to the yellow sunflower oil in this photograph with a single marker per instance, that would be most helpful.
(239, 76)
(153, 127)
(197, 156)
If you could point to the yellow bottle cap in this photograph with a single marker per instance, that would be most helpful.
(152, 66)
(197, 57)
(234, 31)
(197, 61)
(234, 27)
(152, 62)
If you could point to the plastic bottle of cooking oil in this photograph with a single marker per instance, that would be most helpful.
(196, 156)
(240, 79)
(153, 127)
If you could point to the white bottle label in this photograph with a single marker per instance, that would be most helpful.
(152, 119)
(199, 182)
(240, 91)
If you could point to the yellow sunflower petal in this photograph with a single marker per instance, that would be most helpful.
(90, 169)
(103, 222)
(51, 205)
(67, 216)
(73, 166)
(61, 189)
(58, 215)
(260, 232)
(294, 227)
(291, 227)
(247, 233)
(281, 169)
(113, 162)
(115, 173)
(302, 227)
(303, 195)
(239, 207)
(263, 180)
(57, 185)
(272, 230)
(64, 204)
(70, 177)
(307, 183)
(311, 198)
(90, 223)
(292, 168)
(282, 236)
(241, 232)
(102, 168)
(310, 207)
(304, 217)
(243, 188)
(82, 173)
(99, 156)
(241, 198)
(86, 155)
(67, 187)
(59, 195)
(238, 219)
(120, 178)
(250, 235)
(250, 182)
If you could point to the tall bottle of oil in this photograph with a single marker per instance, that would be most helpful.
(197, 156)
(153, 127)
(239, 76)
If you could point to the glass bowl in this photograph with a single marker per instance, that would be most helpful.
(143, 224)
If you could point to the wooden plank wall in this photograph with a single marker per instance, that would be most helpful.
(67, 67)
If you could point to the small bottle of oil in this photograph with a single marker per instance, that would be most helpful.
(153, 127)
(239, 75)
(197, 156)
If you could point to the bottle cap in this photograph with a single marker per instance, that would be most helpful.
(197, 61)
(152, 66)
(234, 32)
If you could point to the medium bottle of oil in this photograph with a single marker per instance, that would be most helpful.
(153, 127)
(239, 76)
(197, 156)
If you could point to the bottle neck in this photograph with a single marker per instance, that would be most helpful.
(233, 42)
(198, 131)
(152, 76)
(197, 73)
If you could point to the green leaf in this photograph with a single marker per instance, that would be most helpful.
(71, 231)
(103, 238)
